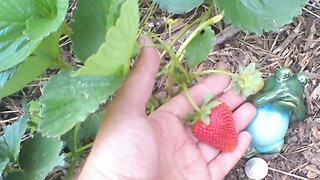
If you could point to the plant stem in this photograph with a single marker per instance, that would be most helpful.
(210, 11)
(183, 31)
(173, 57)
(81, 149)
(210, 21)
(85, 147)
(216, 72)
(186, 92)
(170, 84)
(75, 137)
(42, 79)
(75, 157)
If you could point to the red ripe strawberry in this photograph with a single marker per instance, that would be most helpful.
(220, 131)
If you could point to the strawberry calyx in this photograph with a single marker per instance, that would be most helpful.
(203, 112)
(248, 82)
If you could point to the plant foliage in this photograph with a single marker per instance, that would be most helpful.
(259, 16)
(247, 15)
(24, 23)
(200, 47)
(113, 58)
(179, 6)
(68, 100)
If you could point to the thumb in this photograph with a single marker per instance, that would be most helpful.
(137, 88)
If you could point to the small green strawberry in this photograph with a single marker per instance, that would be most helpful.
(248, 81)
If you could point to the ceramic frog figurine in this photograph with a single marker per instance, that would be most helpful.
(280, 102)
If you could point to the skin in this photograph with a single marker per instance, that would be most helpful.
(132, 145)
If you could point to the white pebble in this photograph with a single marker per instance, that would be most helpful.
(256, 168)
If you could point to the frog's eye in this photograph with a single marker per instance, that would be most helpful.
(284, 74)
(302, 78)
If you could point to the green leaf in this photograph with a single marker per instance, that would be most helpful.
(200, 47)
(213, 104)
(45, 55)
(258, 16)
(39, 155)
(205, 119)
(49, 47)
(6, 75)
(114, 12)
(89, 27)
(10, 141)
(26, 72)
(69, 99)
(23, 24)
(113, 56)
(87, 131)
(179, 6)
(3, 164)
(89, 128)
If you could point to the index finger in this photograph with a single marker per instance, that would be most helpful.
(180, 106)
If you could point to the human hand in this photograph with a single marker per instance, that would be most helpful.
(132, 145)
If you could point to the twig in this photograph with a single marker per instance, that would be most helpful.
(9, 120)
(288, 174)
(316, 15)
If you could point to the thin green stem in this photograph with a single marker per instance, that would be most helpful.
(170, 84)
(75, 157)
(42, 79)
(208, 13)
(81, 149)
(216, 72)
(173, 57)
(210, 21)
(183, 31)
(75, 136)
(186, 92)
(85, 147)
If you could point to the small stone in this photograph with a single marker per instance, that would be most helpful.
(256, 168)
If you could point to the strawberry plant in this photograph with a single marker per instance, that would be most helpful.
(103, 35)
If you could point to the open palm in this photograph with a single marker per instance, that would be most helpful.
(132, 145)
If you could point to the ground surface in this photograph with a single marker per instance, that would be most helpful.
(295, 45)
